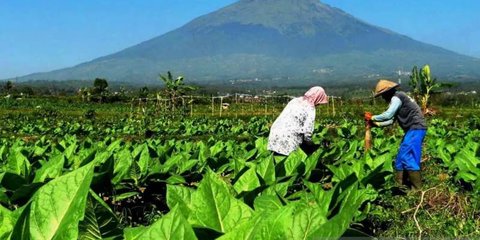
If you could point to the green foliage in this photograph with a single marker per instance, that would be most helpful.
(171, 226)
(100, 85)
(99, 222)
(214, 207)
(175, 88)
(214, 178)
(424, 85)
(56, 208)
(8, 86)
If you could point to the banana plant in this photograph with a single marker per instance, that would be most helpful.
(428, 85)
(175, 87)
(423, 85)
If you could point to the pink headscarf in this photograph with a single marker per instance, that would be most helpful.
(316, 95)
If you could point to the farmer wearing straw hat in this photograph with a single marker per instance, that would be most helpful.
(410, 118)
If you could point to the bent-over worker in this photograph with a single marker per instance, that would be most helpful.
(409, 116)
(295, 124)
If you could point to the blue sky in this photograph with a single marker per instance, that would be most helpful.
(44, 35)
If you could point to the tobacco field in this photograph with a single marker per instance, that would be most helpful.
(213, 178)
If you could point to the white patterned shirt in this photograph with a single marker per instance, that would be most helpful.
(294, 125)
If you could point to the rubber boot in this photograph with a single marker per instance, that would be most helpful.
(416, 179)
(399, 178)
(400, 181)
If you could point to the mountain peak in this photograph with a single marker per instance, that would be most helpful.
(272, 39)
(281, 1)
(276, 14)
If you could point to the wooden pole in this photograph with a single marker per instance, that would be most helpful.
(191, 106)
(212, 106)
(266, 106)
(328, 105)
(243, 113)
(333, 105)
(236, 106)
(221, 106)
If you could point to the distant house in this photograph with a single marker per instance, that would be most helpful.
(225, 106)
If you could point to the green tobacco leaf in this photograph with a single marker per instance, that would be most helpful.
(321, 197)
(385, 159)
(51, 169)
(58, 206)
(144, 161)
(245, 230)
(293, 161)
(266, 170)
(3, 153)
(181, 197)
(185, 166)
(99, 222)
(171, 226)
(138, 150)
(343, 171)
(311, 162)
(274, 225)
(305, 222)
(70, 150)
(176, 179)
(21, 228)
(17, 163)
(134, 172)
(39, 151)
(444, 155)
(336, 226)
(114, 145)
(126, 195)
(84, 157)
(467, 164)
(7, 222)
(214, 207)
(279, 189)
(267, 203)
(249, 154)
(352, 150)
(122, 166)
(216, 148)
(261, 146)
(102, 157)
(247, 182)
(264, 226)
(203, 152)
(133, 233)
(172, 162)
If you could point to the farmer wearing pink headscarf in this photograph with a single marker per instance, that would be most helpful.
(294, 126)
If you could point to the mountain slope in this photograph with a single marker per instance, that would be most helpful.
(271, 39)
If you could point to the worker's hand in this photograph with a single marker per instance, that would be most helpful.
(368, 116)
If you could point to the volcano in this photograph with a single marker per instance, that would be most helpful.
(282, 42)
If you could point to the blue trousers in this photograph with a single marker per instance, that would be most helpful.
(410, 153)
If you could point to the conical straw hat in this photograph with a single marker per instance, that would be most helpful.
(383, 86)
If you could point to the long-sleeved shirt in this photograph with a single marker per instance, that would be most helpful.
(403, 109)
(386, 118)
(294, 125)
